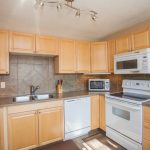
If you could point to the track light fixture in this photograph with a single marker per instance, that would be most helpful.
(68, 4)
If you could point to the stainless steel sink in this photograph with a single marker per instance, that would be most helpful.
(43, 96)
(25, 98)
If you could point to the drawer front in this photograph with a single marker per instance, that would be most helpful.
(146, 110)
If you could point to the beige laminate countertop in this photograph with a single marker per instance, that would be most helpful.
(8, 101)
(146, 104)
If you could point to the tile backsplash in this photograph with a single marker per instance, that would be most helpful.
(37, 70)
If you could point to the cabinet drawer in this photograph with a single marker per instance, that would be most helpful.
(146, 144)
(146, 110)
(34, 106)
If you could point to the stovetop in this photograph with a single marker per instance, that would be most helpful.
(138, 98)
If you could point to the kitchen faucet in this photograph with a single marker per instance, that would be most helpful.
(33, 89)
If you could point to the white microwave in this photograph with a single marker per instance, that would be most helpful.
(99, 85)
(136, 62)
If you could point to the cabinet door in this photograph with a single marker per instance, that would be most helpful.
(111, 53)
(47, 45)
(1, 130)
(66, 63)
(141, 40)
(22, 42)
(95, 112)
(102, 113)
(99, 57)
(23, 130)
(50, 125)
(4, 52)
(123, 44)
(83, 57)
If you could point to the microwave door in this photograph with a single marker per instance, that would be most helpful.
(127, 65)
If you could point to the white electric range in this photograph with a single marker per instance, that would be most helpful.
(124, 113)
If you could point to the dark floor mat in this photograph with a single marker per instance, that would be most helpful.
(62, 145)
(100, 141)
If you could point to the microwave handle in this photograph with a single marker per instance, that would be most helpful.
(136, 71)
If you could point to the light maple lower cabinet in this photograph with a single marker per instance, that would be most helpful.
(95, 112)
(50, 125)
(99, 57)
(1, 130)
(4, 52)
(141, 40)
(123, 44)
(23, 130)
(66, 62)
(22, 43)
(102, 124)
(146, 128)
(83, 50)
(47, 45)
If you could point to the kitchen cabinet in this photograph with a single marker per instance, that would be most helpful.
(83, 56)
(23, 130)
(102, 124)
(50, 125)
(146, 128)
(66, 62)
(99, 57)
(95, 111)
(32, 125)
(141, 40)
(4, 52)
(1, 130)
(22, 43)
(111, 53)
(47, 45)
(123, 44)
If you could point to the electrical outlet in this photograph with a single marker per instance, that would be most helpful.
(3, 85)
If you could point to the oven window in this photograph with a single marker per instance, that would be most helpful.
(128, 64)
(96, 84)
(121, 113)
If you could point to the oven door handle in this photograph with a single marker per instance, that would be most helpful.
(123, 104)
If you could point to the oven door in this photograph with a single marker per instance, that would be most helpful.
(125, 118)
(128, 64)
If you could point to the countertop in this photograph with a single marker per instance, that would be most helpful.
(147, 104)
(8, 101)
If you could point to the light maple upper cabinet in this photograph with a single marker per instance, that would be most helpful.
(4, 52)
(83, 56)
(111, 53)
(95, 112)
(1, 130)
(146, 128)
(141, 40)
(23, 130)
(50, 125)
(66, 62)
(47, 45)
(99, 57)
(102, 123)
(22, 42)
(123, 44)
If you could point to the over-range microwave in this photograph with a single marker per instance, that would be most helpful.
(99, 85)
(135, 62)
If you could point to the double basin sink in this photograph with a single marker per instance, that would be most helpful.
(27, 98)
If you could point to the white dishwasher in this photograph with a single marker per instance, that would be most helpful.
(77, 117)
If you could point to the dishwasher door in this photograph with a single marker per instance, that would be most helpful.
(77, 117)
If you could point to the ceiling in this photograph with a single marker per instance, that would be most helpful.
(114, 15)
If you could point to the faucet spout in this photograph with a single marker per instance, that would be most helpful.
(33, 89)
